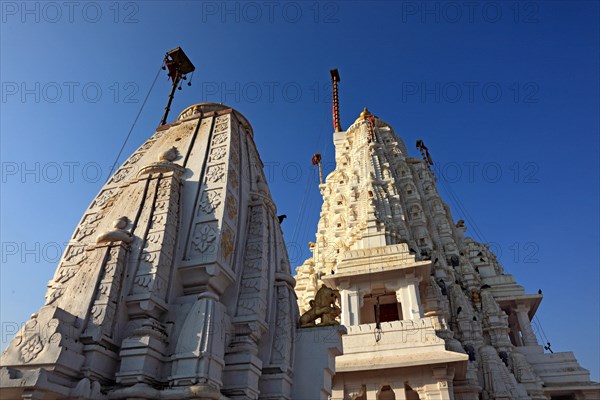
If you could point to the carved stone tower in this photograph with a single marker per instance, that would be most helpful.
(429, 313)
(187, 294)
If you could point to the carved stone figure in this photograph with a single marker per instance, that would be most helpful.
(324, 307)
(169, 155)
(118, 234)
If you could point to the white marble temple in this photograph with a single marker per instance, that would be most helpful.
(176, 284)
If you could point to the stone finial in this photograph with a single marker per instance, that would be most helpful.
(363, 115)
(169, 155)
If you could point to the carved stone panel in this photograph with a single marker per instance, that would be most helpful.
(210, 200)
(252, 301)
(204, 239)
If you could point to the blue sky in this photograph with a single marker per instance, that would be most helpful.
(504, 94)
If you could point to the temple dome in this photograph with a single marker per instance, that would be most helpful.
(363, 115)
(208, 107)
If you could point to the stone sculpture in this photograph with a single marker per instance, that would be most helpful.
(118, 234)
(324, 307)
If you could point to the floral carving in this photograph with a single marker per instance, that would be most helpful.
(221, 126)
(149, 257)
(88, 226)
(157, 135)
(158, 220)
(256, 222)
(120, 175)
(105, 198)
(219, 139)
(155, 238)
(64, 274)
(210, 201)
(54, 294)
(254, 265)
(134, 158)
(97, 312)
(75, 254)
(215, 173)
(190, 112)
(254, 250)
(31, 348)
(204, 238)
(251, 283)
(248, 306)
(144, 281)
(217, 153)
(146, 145)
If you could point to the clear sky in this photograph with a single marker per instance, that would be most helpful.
(505, 95)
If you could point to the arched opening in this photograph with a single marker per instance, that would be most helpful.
(389, 308)
(410, 393)
(386, 393)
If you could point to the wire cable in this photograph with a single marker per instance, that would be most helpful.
(133, 125)
(542, 329)
(307, 191)
(462, 209)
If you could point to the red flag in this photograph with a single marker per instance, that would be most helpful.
(421, 146)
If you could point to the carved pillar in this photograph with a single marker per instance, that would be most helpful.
(200, 346)
(514, 330)
(276, 379)
(442, 389)
(527, 333)
(99, 337)
(344, 300)
(408, 297)
(399, 390)
(401, 298)
(150, 266)
(372, 391)
(205, 269)
(337, 392)
(415, 297)
(244, 367)
(352, 314)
